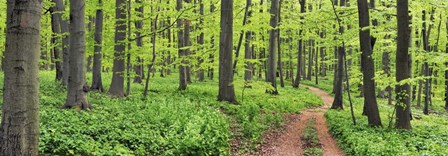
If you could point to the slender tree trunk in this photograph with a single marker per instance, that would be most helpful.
(128, 53)
(247, 48)
(77, 87)
(201, 75)
(310, 59)
(138, 67)
(300, 49)
(60, 7)
(117, 84)
(367, 65)
(240, 40)
(273, 48)
(55, 40)
(19, 132)
(403, 90)
(338, 97)
(279, 61)
(446, 72)
(226, 88)
(181, 52)
(97, 83)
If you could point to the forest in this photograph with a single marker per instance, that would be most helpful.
(224, 77)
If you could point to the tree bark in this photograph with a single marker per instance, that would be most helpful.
(77, 87)
(117, 84)
(273, 48)
(201, 75)
(247, 48)
(300, 49)
(138, 67)
(403, 90)
(181, 52)
(338, 97)
(446, 73)
(56, 41)
(367, 65)
(19, 132)
(97, 82)
(226, 87)
(60, 7)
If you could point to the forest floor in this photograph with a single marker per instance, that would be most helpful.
(288, 141)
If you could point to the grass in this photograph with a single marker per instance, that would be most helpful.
(428, 136)
(167, 122)
(312, 145)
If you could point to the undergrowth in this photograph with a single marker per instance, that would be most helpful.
(428, 136)
(167, 122)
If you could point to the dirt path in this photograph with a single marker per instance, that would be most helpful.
(289, 142)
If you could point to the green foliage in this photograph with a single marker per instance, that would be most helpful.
(311, 140)
(168, 122)
(428, 136)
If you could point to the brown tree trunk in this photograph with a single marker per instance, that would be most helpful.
(77, 87)
(201, 75)
(226, 87)
(181, 52)
(403, 90)
(97, 82)
(117, 84)
(138, 67)
(338, 98)
(55, 40)
(300, 49)
(446, 73)
(60, 7)
(367, 65)
(247, 48)
(273, 48)
(19, 132)
(128, 52)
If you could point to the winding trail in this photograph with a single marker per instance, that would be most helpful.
(289, 143)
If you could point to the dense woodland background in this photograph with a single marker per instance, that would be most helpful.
(160, 77)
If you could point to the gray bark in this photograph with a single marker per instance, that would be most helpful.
(19, 132)
(77, 87)
(273, 48)
(226, 87)
(97, 83)
(117, 85)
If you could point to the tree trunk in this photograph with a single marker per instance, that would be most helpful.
(60, 6)
(19, 130)
(310, 59)
(77, 87)
(128, 52)
(300, 49)
(367, 65)
(201, 75)
(279, 61)
(117, 84)
(97, 82)
(446, 73)
(56, 41)
(403, 90)
(181, 52)
(273, 37)
(247, 48)
(138, 67)
(338, 99)
(226, 88)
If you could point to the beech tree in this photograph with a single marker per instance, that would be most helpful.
(77, 87)
(19, 132)
(273, 47)
(117, 84)
(367, 65)
(403, 91)
(226, 88)
(97, 83)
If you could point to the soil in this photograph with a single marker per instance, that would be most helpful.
(287, 140)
